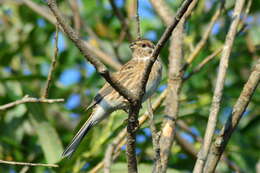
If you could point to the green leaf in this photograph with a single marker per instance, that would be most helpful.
(48, 137)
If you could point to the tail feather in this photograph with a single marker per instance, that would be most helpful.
(77, 139)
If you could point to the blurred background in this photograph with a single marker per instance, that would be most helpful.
(38, 132)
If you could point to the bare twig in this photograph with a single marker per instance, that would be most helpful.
(53, 63)
(108, 158)
(27, 99)
(202, 156)
(203, 63)
(239, 108)
(138, 20)
(76, 15)
(205, 37)
(28, 164)
(155, 139)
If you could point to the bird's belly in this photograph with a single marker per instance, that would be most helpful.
(151, 87)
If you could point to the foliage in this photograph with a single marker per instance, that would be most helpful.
(37, 132)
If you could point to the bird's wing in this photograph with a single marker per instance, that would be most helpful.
(105, 90)
(123, 75)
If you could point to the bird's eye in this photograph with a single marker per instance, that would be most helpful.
(143, 45)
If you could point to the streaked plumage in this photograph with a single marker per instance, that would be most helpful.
(108, 100)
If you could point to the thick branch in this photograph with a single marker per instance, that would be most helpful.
(239, 108)
(27, 99)
(212, 121)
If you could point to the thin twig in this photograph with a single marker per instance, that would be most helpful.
(205, 37)
(203, 63)
(27, 99)
(28, 164)
(53, 64)
(212, 121)
(108, 158)
(155, 139)
(239, 108)
(76, 15)
(138, 20)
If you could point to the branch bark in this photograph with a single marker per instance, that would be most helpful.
(53, 64)
(239, 108)
(172, 99)
(27, 99)
(27, 164)
(214, 110)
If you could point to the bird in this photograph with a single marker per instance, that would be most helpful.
(109, 100)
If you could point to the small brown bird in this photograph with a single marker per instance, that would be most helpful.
(109, 100)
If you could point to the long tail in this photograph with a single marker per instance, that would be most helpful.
(77, 139)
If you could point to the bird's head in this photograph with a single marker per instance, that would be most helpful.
(142, 48)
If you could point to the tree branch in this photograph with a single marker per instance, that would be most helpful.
(214, 110)
(27, 164)
(239, 108)
(155, 139)
(203, 63)
(27, 99)
(53, 63)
